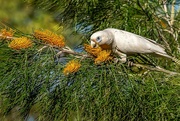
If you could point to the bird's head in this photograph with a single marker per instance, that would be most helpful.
(101, 38)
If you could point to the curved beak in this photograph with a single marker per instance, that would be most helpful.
(94, 44)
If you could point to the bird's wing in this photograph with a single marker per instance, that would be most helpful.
(132, 34)
(144, 38)
(130, 43)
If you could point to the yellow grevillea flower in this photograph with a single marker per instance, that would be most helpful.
(7, 33)
(50, 37)
(91, 50)
(103, 56)
(20, 43)
(71, 67)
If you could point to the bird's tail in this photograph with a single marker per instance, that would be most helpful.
(176, 60)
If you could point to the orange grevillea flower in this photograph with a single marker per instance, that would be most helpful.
(50, 37)
(99, 54)
(71, 67)
(20, 43)
(91, 50)
(103, 56)
(7, 33)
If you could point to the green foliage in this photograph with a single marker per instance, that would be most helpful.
(24, 17)
(32, 80)
(104, 92)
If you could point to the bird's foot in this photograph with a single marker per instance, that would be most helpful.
(130, 63)
(119, 60)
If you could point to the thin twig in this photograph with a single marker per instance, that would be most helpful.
(165, 8)
(170, 20)
(172, 12)
(165, 41)
(70, 51)
(42, 48)
(157, 68)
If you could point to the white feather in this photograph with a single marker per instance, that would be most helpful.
(129, 43)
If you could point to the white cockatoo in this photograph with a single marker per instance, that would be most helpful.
(125, 43)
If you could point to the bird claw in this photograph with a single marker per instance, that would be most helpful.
(130, 63)
(116, 60)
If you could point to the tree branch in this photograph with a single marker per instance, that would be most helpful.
(157, 68)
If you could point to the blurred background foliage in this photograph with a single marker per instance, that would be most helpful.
(33, 87)
(25, 17)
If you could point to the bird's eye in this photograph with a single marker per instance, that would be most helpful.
(98, 39)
